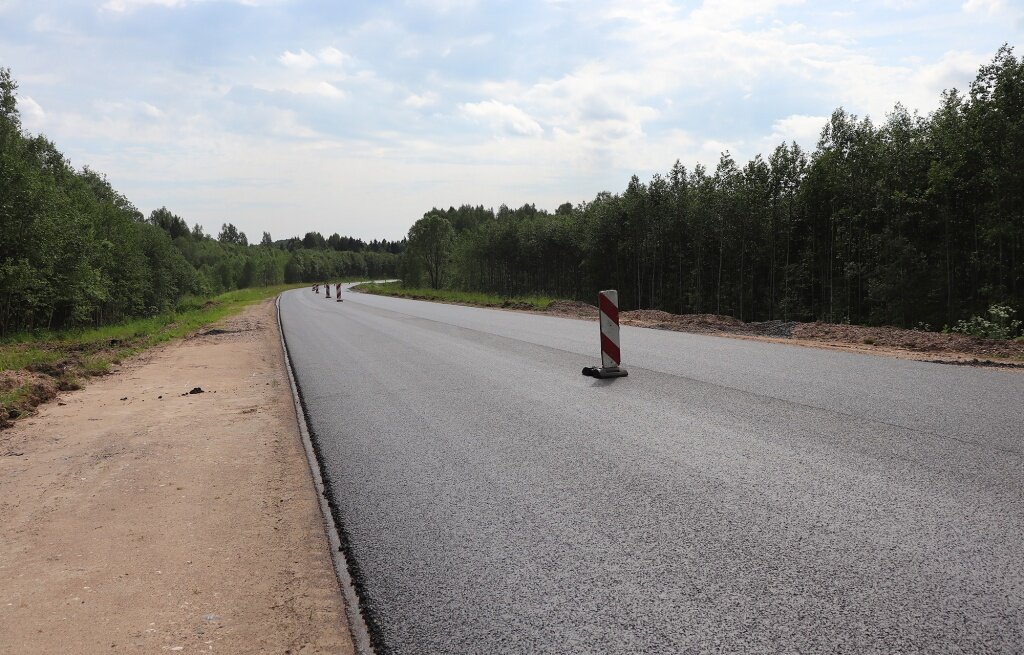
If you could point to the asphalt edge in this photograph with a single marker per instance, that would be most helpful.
(353, 607)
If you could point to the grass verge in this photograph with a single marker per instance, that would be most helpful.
(36, 366)
(454, 296)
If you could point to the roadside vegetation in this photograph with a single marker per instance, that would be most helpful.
(35, 366)
(455, 296)
(75, 253)
(908, 221)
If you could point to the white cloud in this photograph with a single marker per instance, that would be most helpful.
(286, 123)
(805, 130)
(45, 23)
(33, 118)
(723, 13)
(444, 6)
(301, 87)
(465, 43)
(903, 4)
(123, 6)
(420, 101)
(333, 57)
(987, 6)
(954, 69)
(300, 59)
(328, 90)
(329, 56)
(501, 116)
(152, 110)
(129, 5)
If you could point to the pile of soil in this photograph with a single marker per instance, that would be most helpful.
(656, 318)
(912, 340)
(883, 340)
(35, 389)
(572, 308)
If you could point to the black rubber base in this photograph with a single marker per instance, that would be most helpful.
(602, 372)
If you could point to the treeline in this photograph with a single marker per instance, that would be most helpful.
(75, 252)
(916, 220)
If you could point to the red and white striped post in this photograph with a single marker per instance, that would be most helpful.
(337, 291)
(611, 355)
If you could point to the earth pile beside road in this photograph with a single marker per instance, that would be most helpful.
(883, 340)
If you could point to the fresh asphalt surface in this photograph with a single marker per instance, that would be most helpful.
(728, 496)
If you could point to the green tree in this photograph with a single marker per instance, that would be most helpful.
(430, 243)
(230, 234)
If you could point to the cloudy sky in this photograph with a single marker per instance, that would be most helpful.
(356, 117)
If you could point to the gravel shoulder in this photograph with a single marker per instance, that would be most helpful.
(137, 517)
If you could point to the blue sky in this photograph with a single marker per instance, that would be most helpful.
(292, 115)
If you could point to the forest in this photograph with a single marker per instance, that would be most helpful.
(75, 253)
(915, 222)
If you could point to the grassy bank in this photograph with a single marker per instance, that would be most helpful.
(35, 366)
(453, 296)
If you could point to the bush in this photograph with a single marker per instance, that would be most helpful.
(999, 325)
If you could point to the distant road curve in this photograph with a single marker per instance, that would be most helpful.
(728, 496)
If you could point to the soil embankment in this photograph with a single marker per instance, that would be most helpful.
(139, 517)
(890, 341)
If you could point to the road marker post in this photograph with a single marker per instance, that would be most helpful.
(337, 291)
(611, 356)
(327, 288)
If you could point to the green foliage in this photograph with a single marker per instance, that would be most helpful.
(917, 220)
(430, 246)
(1000, 324)
(75, 253)
(230, 234)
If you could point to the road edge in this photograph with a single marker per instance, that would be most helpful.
(853, 348)
(356, 622)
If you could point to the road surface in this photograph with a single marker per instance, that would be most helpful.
(728, 496)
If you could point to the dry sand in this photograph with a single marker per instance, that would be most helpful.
(132, 522)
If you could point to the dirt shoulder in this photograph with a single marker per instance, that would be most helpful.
(139, 519)
(885, 341)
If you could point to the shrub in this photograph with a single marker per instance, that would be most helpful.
(999, 325)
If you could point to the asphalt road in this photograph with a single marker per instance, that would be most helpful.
(728, 496)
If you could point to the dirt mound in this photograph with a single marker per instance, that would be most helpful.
(647, 316)
(776, 328)
(56, 369)
(892, 341)
(914, 340)
(25, 390)
(572, 308)
(682, 322)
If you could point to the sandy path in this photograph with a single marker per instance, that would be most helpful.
(182, 524)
